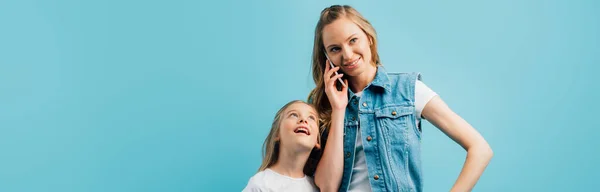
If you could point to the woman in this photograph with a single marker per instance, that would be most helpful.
(377, 146)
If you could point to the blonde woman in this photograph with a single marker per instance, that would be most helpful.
(378, 147)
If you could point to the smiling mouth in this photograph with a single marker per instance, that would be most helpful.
(301, 130)
(353, 63)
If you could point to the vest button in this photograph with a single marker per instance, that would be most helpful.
(394, 113)
(376, 177)
(369, 138)
(348, 154)
(353, 118)
(364, 104)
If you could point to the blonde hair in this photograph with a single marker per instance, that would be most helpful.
(330, 14)
(270, 151)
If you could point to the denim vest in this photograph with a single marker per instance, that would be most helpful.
(390, 136)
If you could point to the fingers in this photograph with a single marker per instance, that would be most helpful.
(329, 78)
(329, 71)
(332, 71)
(345, 86)
(333, 79)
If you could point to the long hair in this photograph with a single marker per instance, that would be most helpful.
(330, 14)
(270, 151)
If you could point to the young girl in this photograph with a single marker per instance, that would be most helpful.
(293, 138)
(378, 147)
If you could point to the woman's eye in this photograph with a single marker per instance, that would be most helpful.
(335, 49)
(353, 40)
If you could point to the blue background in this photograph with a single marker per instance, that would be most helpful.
(179, 95)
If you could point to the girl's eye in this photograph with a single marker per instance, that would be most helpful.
(353, 40)
(312, 118)
(293, 115)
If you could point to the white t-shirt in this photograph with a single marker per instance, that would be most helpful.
(271, 181)
(360, 176)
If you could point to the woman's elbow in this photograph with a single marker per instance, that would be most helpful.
(486, 151)
(482, 150)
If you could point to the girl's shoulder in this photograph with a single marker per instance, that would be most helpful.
(256, 182)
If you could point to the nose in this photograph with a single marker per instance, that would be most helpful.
(302, 120)
(346, 54)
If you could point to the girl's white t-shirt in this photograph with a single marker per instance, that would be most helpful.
(271, 181)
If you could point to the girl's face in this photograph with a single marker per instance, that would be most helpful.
(348, 46)
(299, 129)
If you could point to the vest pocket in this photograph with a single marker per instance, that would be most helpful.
(394, 121)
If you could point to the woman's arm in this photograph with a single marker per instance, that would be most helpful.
(331, 166)
(479, 152)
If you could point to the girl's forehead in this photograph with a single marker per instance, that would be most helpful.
(303, 107)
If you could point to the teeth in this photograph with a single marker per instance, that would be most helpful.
(301, 129)
(355, 62)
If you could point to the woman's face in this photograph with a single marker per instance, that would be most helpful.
(348, 46)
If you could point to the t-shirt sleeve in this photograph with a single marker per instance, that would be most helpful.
(253, 185)
(423, 94)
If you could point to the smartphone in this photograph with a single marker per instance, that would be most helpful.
(332, 66)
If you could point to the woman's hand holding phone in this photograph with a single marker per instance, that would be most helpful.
(338, 99)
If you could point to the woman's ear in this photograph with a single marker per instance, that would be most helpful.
(318, 146)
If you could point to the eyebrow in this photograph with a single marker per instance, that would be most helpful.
(293, 110)
(346, 40)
